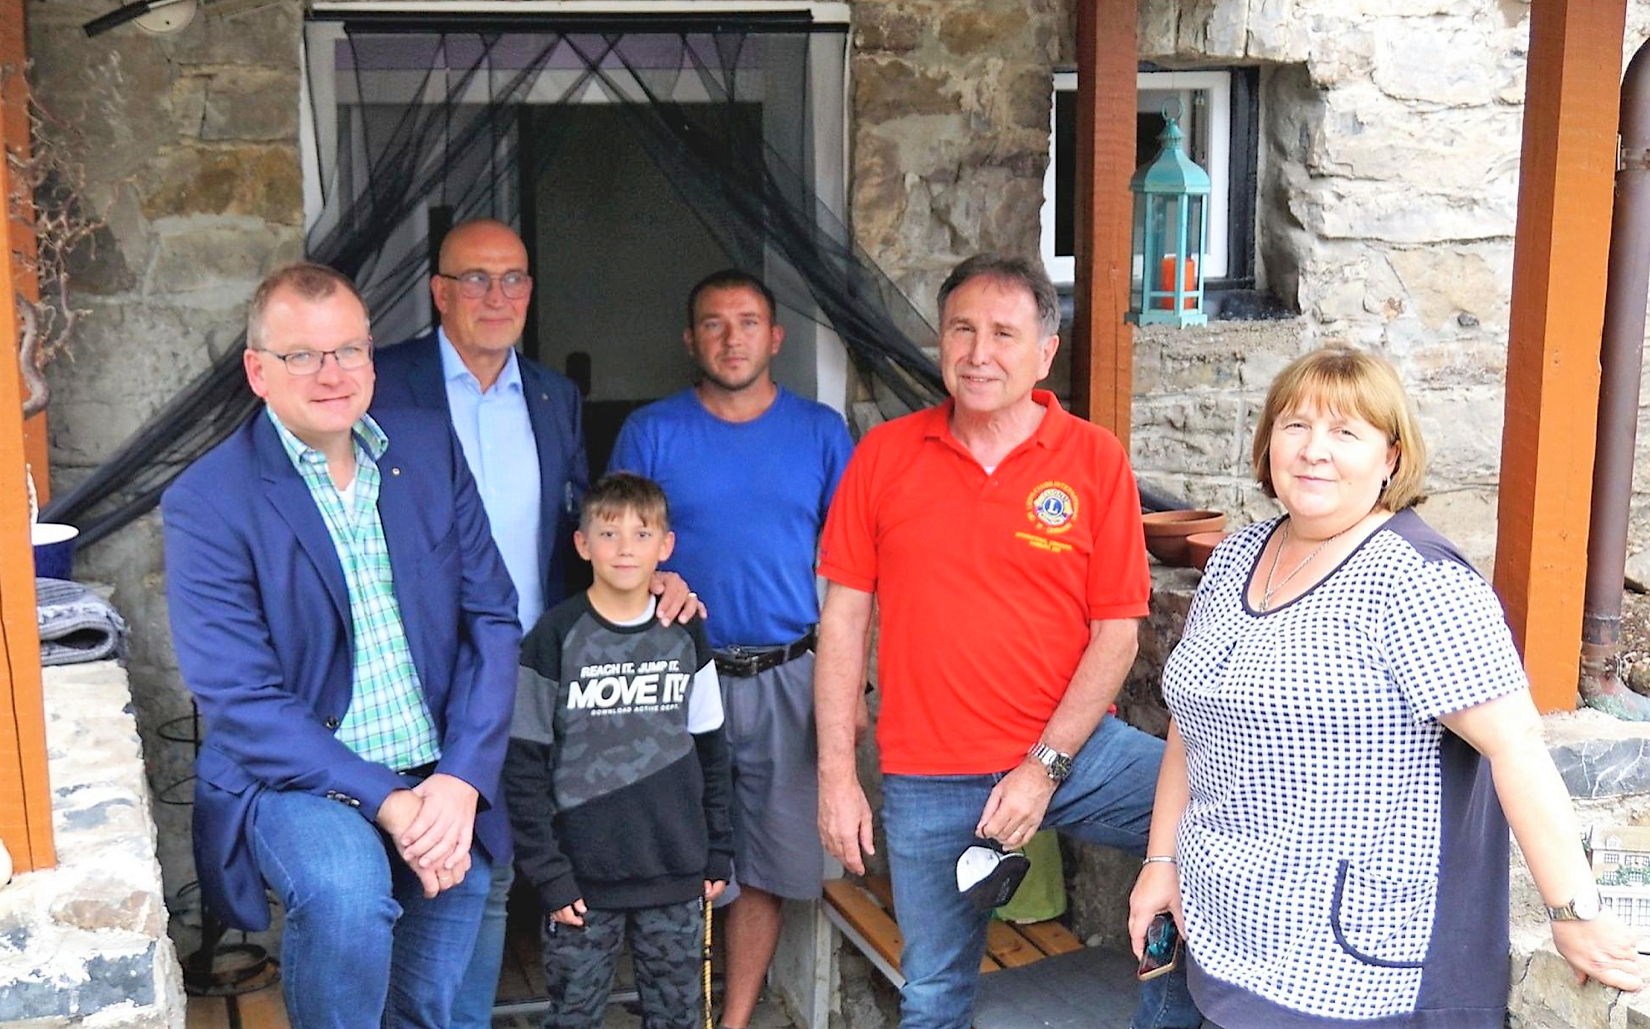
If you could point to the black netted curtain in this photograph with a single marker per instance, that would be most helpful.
(416, 130)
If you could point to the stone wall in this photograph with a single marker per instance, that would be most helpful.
(949, 120)
(85, 943)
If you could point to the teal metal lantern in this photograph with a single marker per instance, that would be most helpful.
(1171, 233)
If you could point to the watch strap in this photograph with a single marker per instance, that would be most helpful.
(1567, 913)
(1576, 910)
(1055, 763)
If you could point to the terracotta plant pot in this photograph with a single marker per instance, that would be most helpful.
(1199, 545)
(1166, 532)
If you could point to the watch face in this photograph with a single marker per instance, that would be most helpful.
(1587, 904)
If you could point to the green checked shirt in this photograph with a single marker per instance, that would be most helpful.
(388, 721)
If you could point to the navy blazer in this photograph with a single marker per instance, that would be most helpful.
(409, 375)
(260, 622)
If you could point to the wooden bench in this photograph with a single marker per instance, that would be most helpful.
(863, 911)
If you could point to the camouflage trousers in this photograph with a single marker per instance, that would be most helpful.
(666, 948)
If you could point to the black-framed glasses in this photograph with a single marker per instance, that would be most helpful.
(350, 357)
(476, 284)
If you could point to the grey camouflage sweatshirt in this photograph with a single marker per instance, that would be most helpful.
(617, 773)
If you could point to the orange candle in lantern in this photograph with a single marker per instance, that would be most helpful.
(1165, 283)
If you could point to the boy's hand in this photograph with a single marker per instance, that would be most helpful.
(677, 603)
(570, 915)
(714, 888)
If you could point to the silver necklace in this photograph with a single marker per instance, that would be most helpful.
(1269, 590)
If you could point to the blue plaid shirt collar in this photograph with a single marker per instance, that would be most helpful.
(368, 436)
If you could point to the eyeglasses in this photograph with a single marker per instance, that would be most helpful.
(350, 356)
(476, 284)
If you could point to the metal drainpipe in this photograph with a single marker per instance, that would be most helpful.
(1621, 359)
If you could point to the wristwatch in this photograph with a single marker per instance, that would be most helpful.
(1056, 764)
(1584, 908)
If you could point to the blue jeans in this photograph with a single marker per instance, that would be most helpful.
(363, 947)
(473, 1006)
(930, 820)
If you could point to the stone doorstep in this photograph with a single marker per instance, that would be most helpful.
(87, 938)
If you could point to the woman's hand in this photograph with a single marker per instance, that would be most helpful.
(1600, 948)
(1155, 891)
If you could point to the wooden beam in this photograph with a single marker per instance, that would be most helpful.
(1566, 182)
(1102, 353)
(25, 794)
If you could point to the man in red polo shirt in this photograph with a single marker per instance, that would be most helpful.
(1000, 540)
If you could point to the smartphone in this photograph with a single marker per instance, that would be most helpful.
(1162, 951)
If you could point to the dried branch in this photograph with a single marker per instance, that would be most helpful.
(49, 200)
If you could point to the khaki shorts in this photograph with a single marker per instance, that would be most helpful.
(769, 719)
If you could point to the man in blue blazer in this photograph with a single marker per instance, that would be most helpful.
(343, 617)
(520, 425)
(536, 471)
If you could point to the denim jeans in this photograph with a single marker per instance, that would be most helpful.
(930, 820)
(363, 947)
(473, 1005)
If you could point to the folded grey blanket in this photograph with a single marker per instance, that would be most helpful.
(76, 625)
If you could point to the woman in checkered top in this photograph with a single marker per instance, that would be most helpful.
(1352, 735)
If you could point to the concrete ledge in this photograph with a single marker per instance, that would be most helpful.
(85, 943)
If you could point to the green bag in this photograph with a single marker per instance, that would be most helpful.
(1042, 894)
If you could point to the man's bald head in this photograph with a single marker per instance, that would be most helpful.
(465, 235)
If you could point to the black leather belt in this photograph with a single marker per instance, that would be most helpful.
(744, 662)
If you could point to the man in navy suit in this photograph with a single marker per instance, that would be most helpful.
(521, 429)
(342, 615)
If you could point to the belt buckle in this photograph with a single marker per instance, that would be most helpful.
(739, 661)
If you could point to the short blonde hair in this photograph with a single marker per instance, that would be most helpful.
(1359, 384)
(310, 281)
(618, 492)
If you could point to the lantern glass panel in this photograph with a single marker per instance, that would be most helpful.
(1136, 278)
(1164, 240)
(1196, 208)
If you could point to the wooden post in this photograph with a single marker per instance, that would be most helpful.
(25, 795)
(1565, 187)
(1102, 353)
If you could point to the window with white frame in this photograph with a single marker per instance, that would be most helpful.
(1218, 128)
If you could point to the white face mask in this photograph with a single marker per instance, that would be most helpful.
(987, 877)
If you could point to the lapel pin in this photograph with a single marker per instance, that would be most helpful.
(395, 471)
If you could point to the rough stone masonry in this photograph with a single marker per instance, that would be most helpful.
(85, 943)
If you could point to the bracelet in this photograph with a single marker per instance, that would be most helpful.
(1152, 859)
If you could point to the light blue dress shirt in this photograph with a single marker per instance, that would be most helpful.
(497, 435)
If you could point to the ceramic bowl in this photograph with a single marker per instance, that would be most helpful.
(1199, 545)
(1166, 532)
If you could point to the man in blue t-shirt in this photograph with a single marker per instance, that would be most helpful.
(749, 468)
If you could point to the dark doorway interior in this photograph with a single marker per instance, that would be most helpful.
(614, 252)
